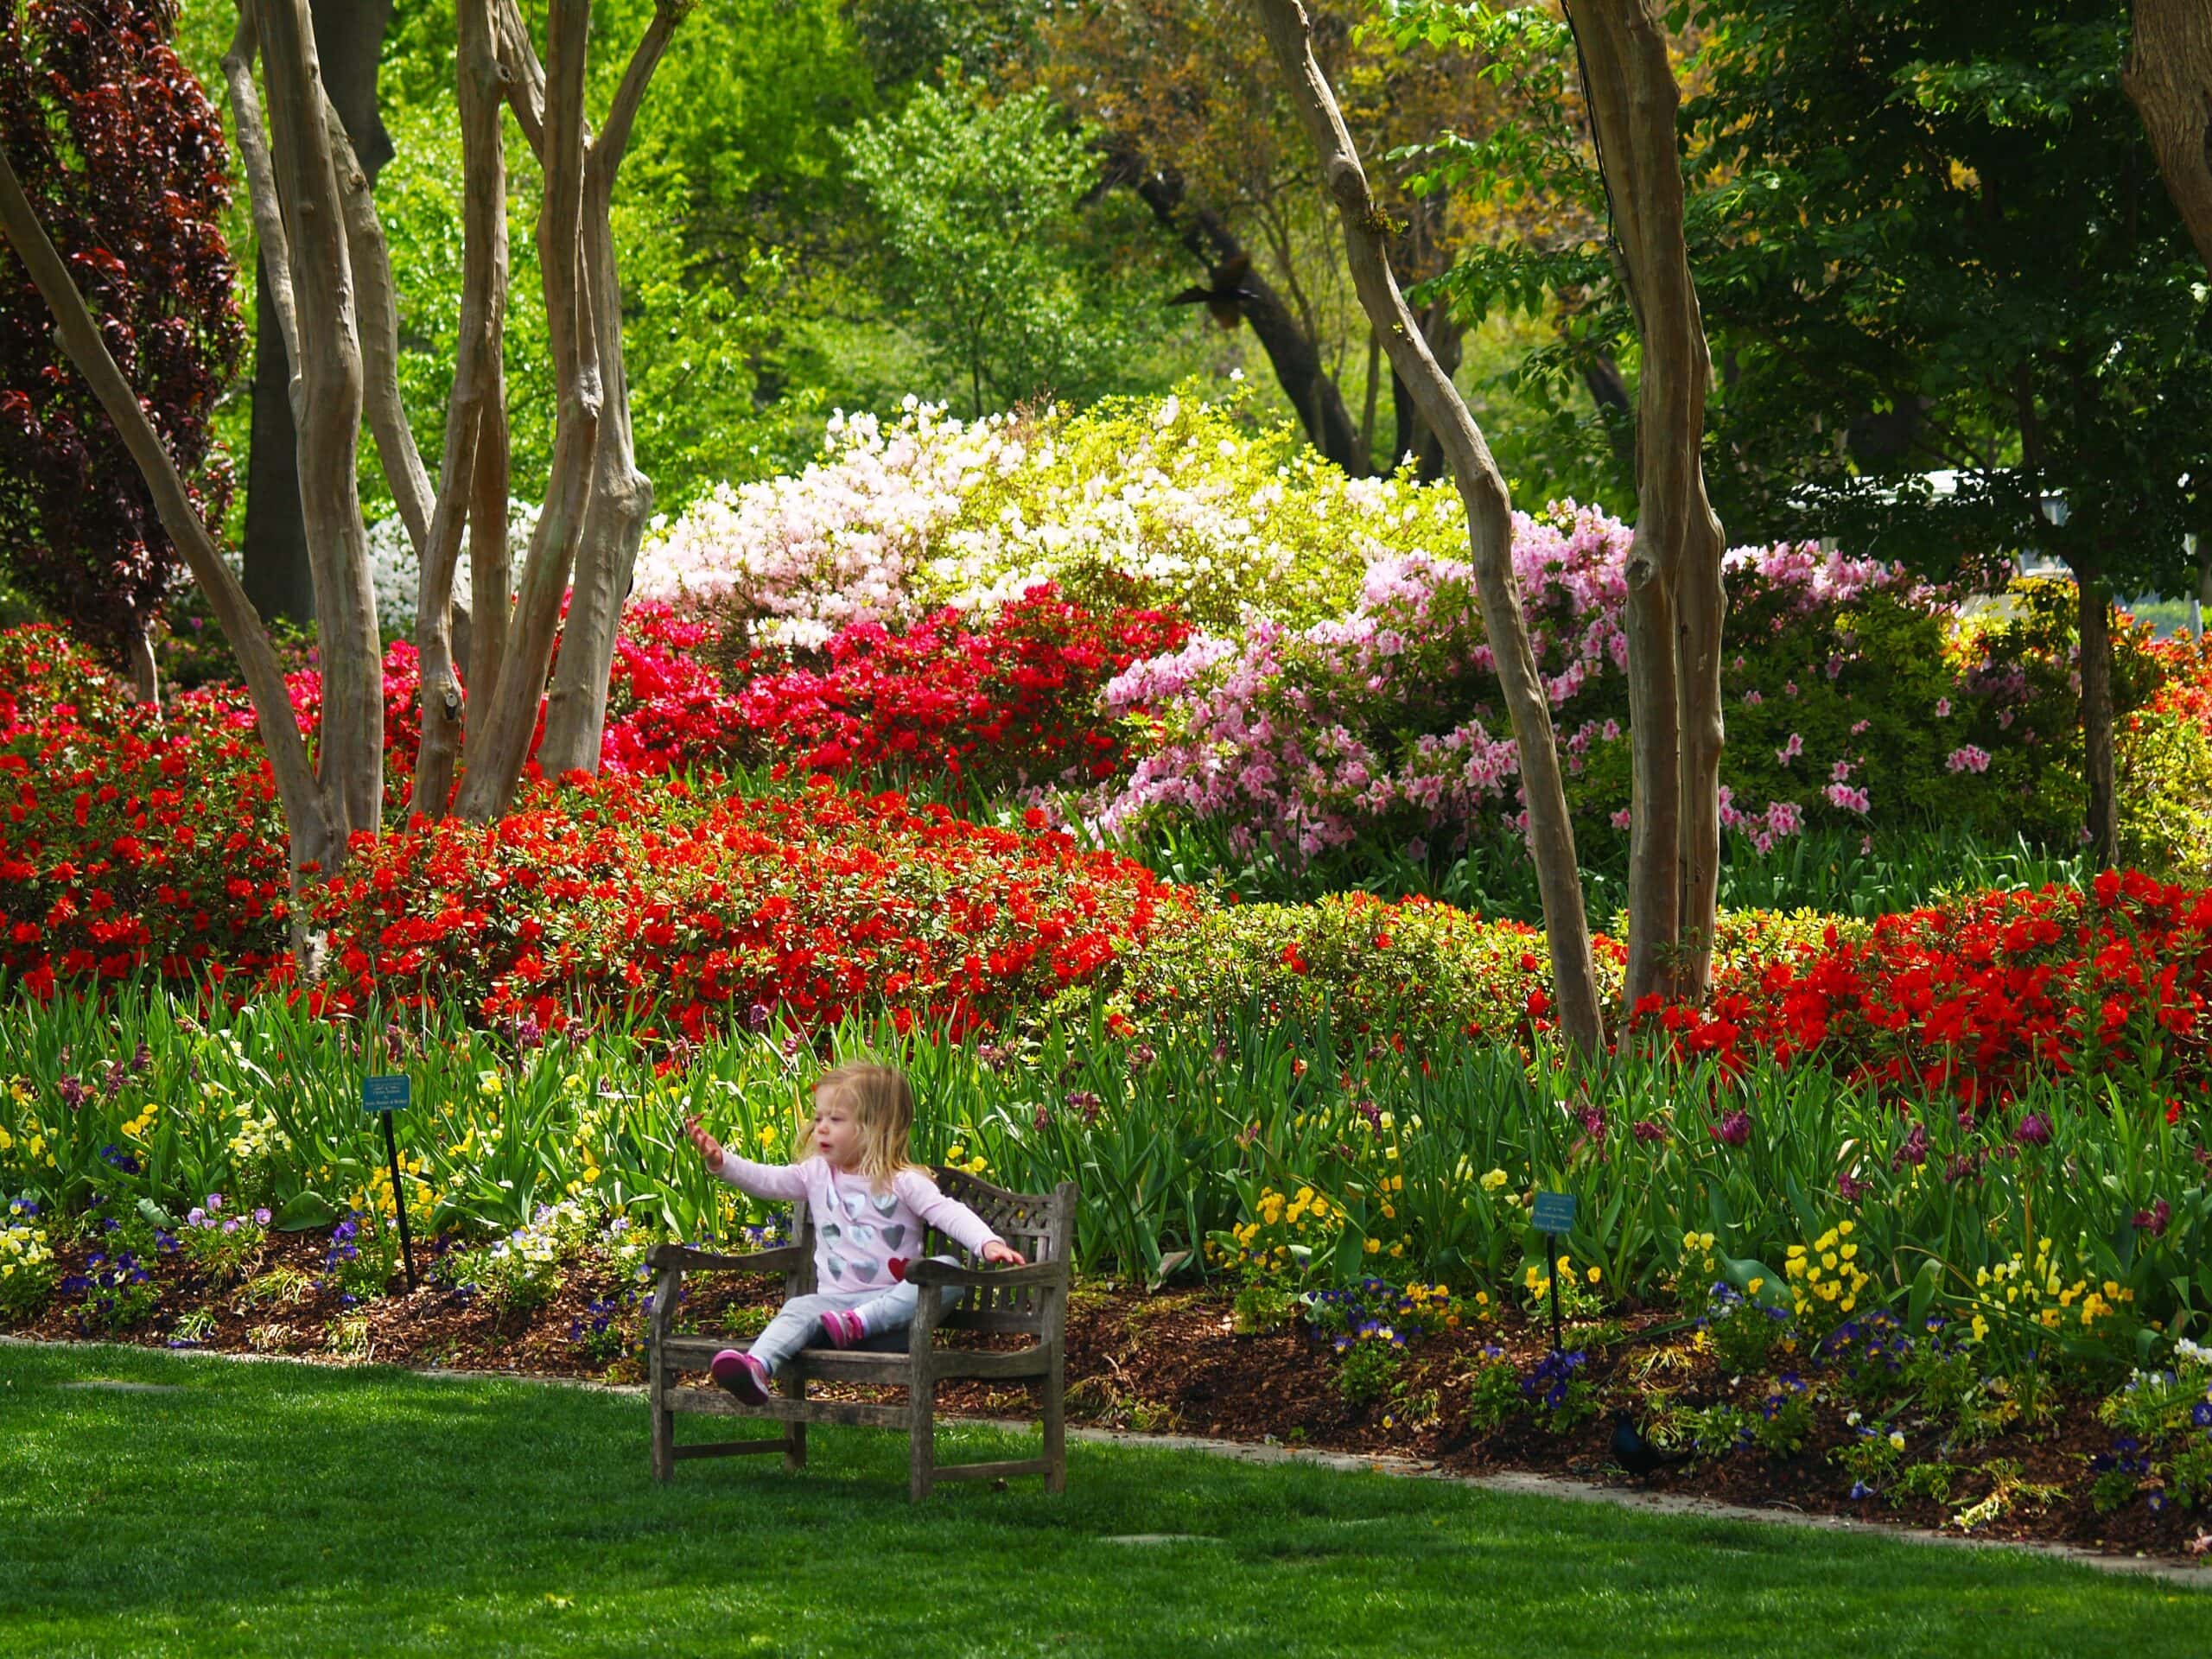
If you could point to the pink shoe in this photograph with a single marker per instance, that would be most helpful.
(742, 1374)
(843, 1328)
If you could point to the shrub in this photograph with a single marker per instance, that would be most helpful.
(26, 1270)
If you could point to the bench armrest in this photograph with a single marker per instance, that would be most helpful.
(662, 1257)
(926, 1272)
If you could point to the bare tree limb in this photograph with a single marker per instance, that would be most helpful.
(352, 747)
(261, 192)
(621, 496)
(315, 844)
(1490, 520)
(613, 140)
(523, 76)
(476, 374)
(499, 740)
(377, 316)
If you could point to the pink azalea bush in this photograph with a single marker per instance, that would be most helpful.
(1385, 724)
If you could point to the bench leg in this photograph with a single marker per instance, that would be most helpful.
(1056, 1424)
(664, 1425)
(922, 1437)
(794, 1432)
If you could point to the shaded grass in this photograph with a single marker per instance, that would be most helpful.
(281, 1509)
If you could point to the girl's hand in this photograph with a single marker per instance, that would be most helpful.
(710, 1150)
(997, 1251)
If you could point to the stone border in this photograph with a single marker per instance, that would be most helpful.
(1516, 1483)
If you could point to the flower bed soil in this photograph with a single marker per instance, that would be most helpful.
(1173, 1361)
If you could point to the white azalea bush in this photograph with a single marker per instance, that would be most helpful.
(1174, 503)
(397, 574)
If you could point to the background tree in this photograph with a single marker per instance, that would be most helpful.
(1928, 238)
(2169, 79)
(981, 213)
(120, 154)
(1194, 122)
(1944, 239)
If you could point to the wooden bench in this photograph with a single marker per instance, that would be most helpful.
(1030, 1301)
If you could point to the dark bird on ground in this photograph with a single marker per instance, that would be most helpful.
(1637, 1455)
(1226, 292)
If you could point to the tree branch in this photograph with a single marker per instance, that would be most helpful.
(261, 193)
(613, 139)
(1490, 520)
(313, 840)
(377, 315)
(521, 76)
(468, 430)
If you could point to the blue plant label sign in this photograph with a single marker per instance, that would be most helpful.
(1554, 1212)
(383, 1094)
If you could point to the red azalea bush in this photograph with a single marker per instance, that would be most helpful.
(138, 841)
(132, 840)
(619, 889)
(1976, 996)
(1004, 703)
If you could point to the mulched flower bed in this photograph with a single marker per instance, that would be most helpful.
(1173, 1361)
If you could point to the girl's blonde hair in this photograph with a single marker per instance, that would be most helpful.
(882, 1103)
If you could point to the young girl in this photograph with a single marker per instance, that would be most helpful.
(869, 1204)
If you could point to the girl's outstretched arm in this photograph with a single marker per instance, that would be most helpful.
(761, 1181)
(951, 1218)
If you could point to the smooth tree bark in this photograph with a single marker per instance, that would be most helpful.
(473, 433)
(1675, 600)
(316, 841)
(349, 37)
(314, 251)
(2169, 79)
(621, 496)
(1490, 520)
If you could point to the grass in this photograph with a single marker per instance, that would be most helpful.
(279, 1509)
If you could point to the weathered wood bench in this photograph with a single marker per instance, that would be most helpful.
(1030, 1301)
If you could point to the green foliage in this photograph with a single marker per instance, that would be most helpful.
(1494, 1396)
(983, 216)
(1368, 1370)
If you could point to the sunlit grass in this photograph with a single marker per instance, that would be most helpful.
(279, 1509)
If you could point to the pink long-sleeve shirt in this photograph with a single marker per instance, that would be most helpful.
(862, 1238)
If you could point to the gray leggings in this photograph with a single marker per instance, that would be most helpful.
(797, 1324)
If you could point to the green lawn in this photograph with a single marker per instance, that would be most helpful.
(279, 1509)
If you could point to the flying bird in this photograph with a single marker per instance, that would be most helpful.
(1225, 293)
(1637, 1455)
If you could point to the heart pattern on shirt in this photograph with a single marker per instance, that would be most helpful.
(861, 1232)
(835, 1263)
(831, 1232)
(852, 1203)
(863, 1271)
(885, 1203)
(893, 1236)
(898, 1266)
